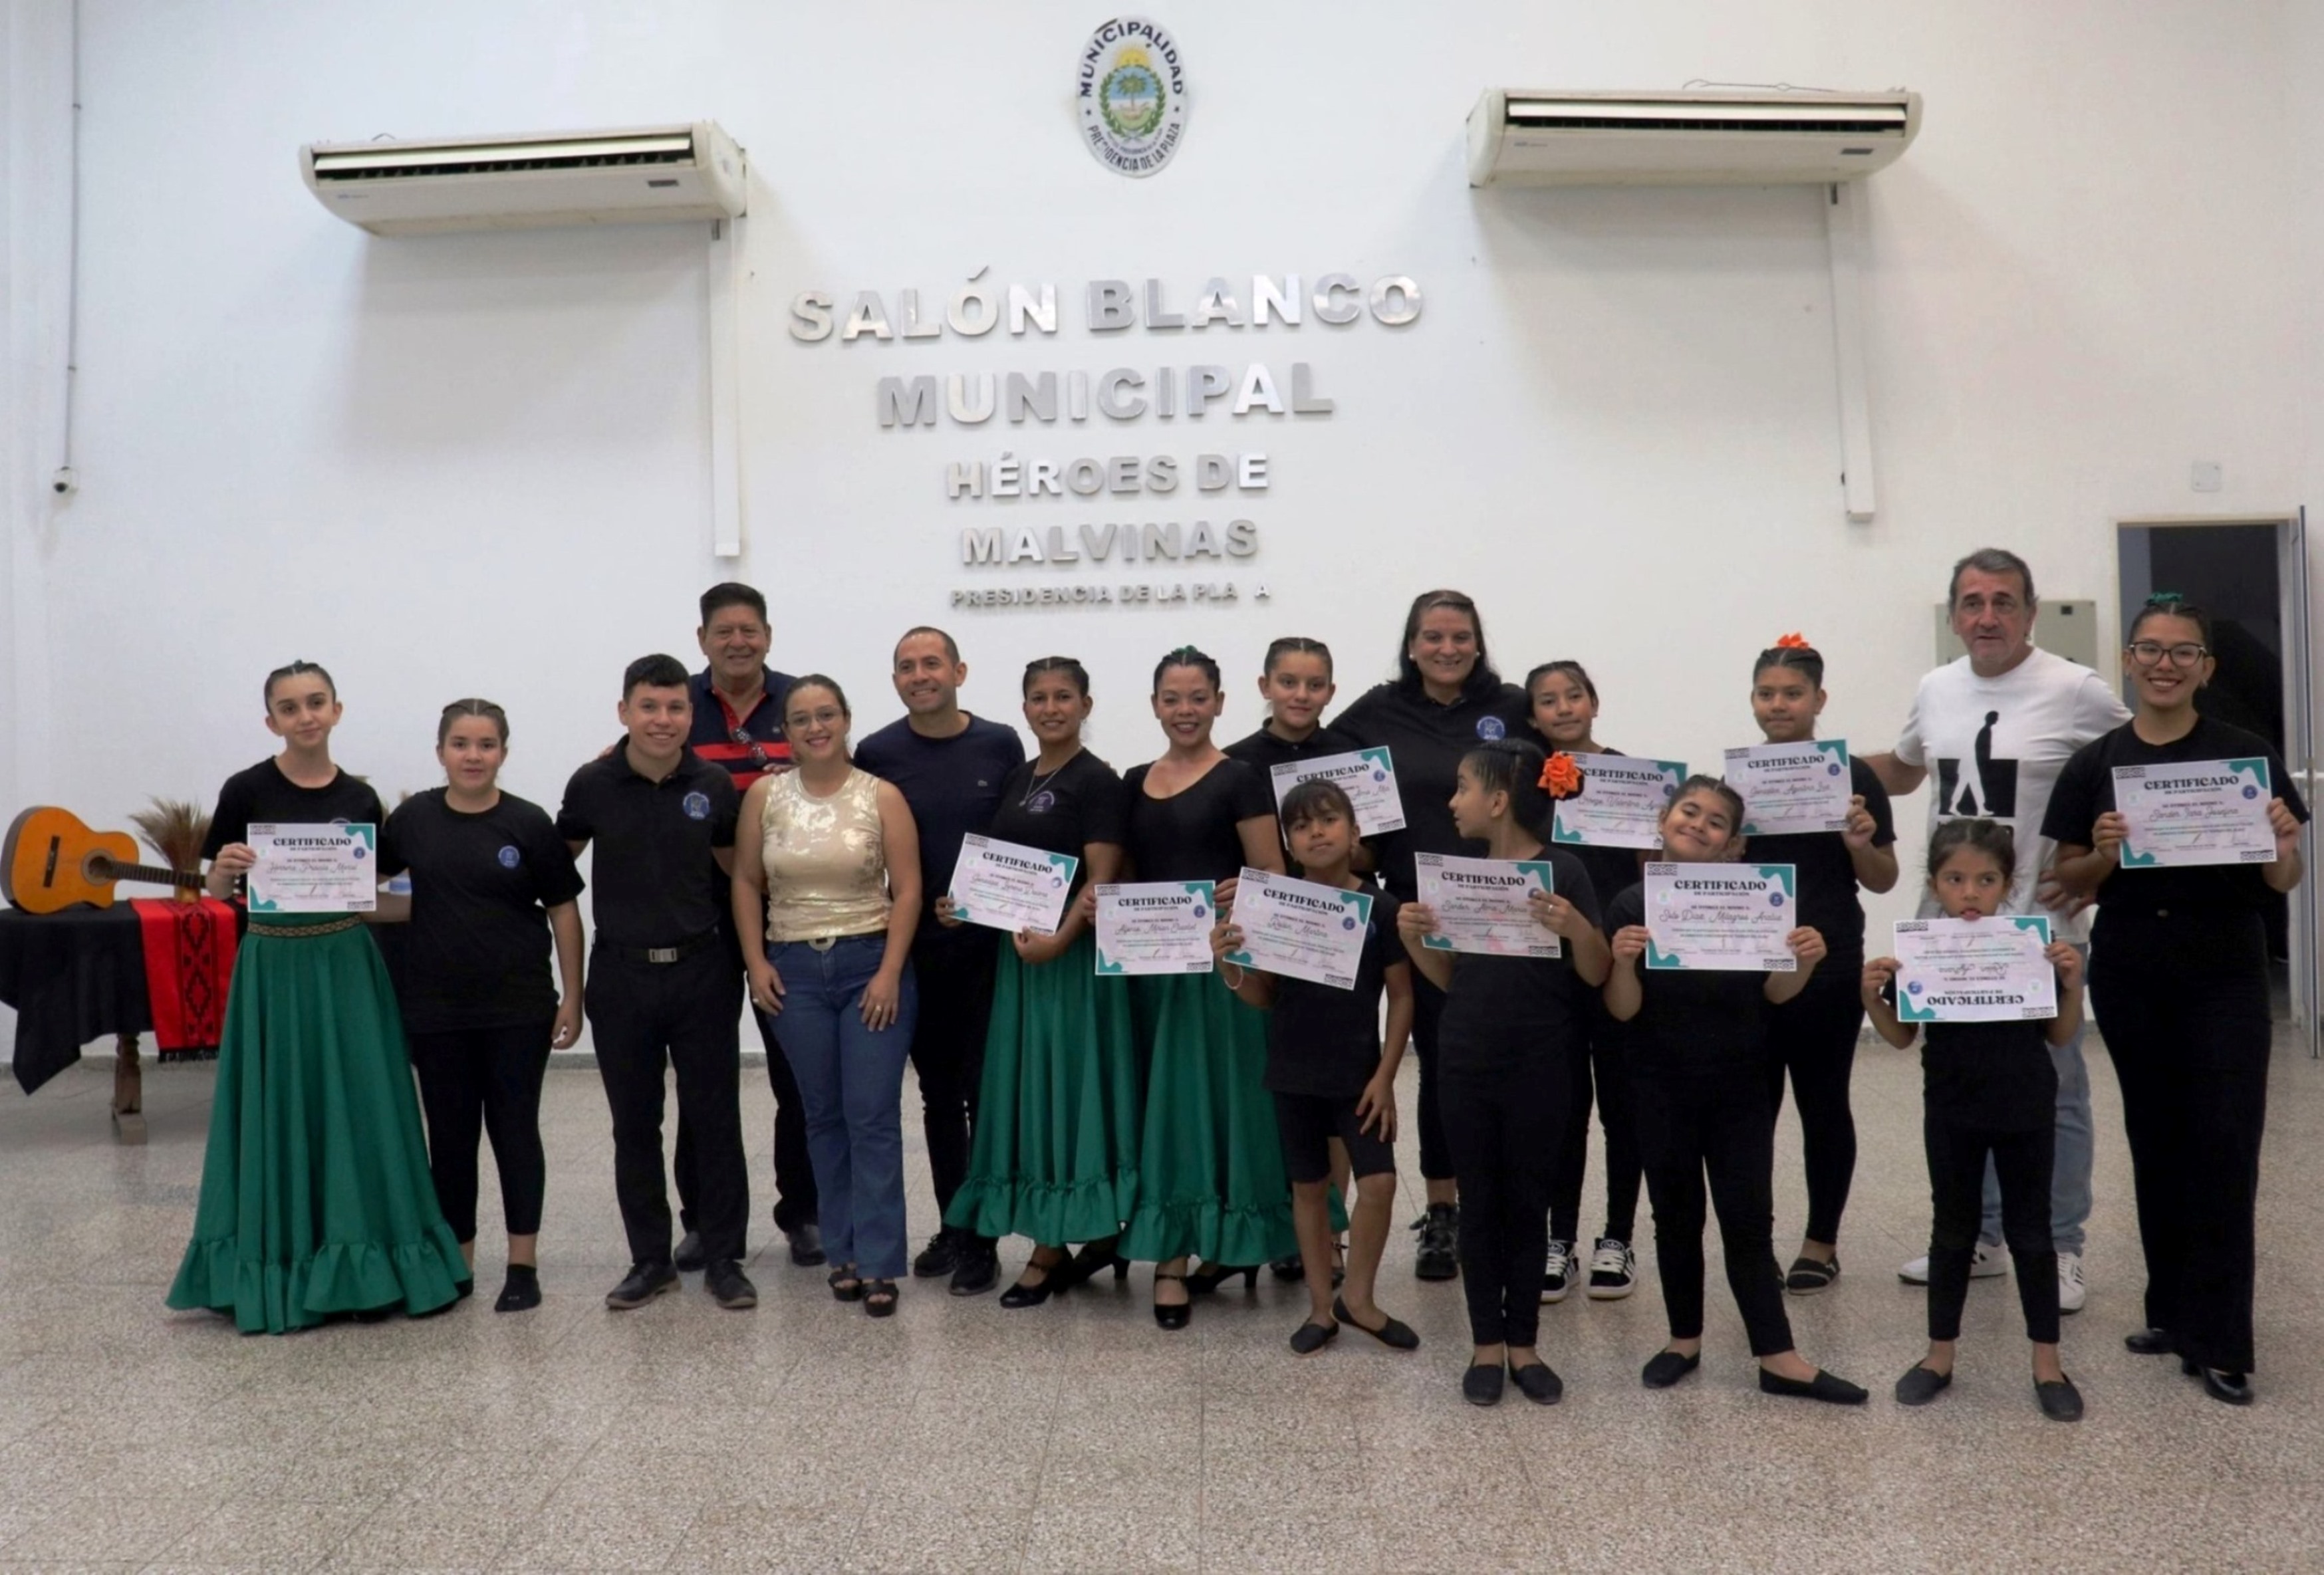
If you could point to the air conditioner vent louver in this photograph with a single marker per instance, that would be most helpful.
(1701, 123)
(1598, 138)
(465, 183)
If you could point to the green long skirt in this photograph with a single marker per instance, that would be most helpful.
(1210, 1158)
(315, 1197)
(1056, 1151)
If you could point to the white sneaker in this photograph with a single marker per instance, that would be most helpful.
(2072, 1292)
(1990, 1260)
(1613, 1270)
(1557, 1272)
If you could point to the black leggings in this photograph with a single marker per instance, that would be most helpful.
(2022, 1161)
(1720, 1125)
(955, 983)
(1813, 1036)
(474, 1081)
(1608, 1061)
(2184, 1015)
(1503, 1127)
(1436, 1162)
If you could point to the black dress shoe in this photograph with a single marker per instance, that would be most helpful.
(1481, 1384)
(806, 1244)
(1083, 1267)
(2060, 1401)
(1168, 1317)
(522, 1291)
(1021, 1295)
(1211, 1276)
(1310, 1338)
(2229, 1388)
(1921, 1385)
(1392, 1334)
(941, 1255)
(1666, 1367)
(2150, 1342)
(1538, 1384)
(1823, 1386)
(978, 1269)
(689, 1257)
(729, 1286)
(645, 1282)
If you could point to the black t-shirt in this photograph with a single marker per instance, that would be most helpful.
(1325, 1041)
(1612, 870)
(952, 786)
(1693, 1022)
(1064, 811)
(2085, 791)
(1426, 742)
(656, 882)
(264, 795)
(476, 953)
(1262, 751)
(1193, 835)
(1996, 1077)
(1499, 1011)
(1827, 877)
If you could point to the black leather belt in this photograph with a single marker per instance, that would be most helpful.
(662, 954)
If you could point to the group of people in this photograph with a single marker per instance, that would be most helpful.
(1239, 1119)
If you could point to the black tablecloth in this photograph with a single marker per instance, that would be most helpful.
(72, 977)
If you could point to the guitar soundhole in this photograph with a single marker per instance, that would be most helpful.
(98, 867)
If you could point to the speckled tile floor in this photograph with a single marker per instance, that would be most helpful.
(803, 1436)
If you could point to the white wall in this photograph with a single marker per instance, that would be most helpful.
(477, 464)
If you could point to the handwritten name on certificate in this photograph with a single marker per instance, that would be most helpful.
(1485, 906)
(1620, 805)
(1792, 787)
(1156, 926)
(2208, 812)
(1011, 887)
(1299, 929)
(314, 868)
(1974, 970)
(1722, 917)
(1367, 777)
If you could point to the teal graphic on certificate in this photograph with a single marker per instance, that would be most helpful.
(2208, 812)
(1009, 887)
(1975, 971)
(1722, 917)
(1485, 906)
(1156, 926)
(314, 868)
(1300, 930)
(1789, 787)
(1621, 804)
(1367, 777)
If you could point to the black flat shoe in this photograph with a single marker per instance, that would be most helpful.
(846, 1285)
(807, 1245)
(1481, 1384)
(2150, 1342)
(1310, 1338)
(1393, 1334)
(1823, 1386)
(1538, 1384)
(1211, 1276)
(1053, 1278)
(645, 1282)
(1666, 1367)
(879, 1298)
(521, 1292)
(1166, 1317)
(2061, 1401)
(1806, 1276)
(689, 1257)
(2228, 1388)
(1921, 1385)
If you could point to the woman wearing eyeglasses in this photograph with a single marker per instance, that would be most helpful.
(2178, 979)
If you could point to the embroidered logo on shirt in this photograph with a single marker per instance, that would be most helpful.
(696, 806)
(1041, 803)
(1491, 727)
(509, 858)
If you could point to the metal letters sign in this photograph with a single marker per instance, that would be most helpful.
(1132, 92)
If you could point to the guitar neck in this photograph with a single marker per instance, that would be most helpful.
(155, 874)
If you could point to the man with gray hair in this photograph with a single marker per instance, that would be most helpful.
(1996, 727)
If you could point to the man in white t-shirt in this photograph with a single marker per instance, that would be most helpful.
(1995, 728)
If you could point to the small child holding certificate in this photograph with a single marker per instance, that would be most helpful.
(1697, 1096)
(1991, 1089)
(1332, 1076)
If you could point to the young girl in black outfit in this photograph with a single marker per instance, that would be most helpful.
(1697, 1093)
(2179, 977)
(1991, 1089)
(1564, 710)
(1814, 1036)
(478, 1004)
(1511, 1028)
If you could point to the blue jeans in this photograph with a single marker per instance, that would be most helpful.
(2070, 1174)
(852, 1080)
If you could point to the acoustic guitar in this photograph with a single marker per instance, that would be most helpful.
(51, 861)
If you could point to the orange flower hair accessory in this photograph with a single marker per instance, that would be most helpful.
(1794, 642)
(1559, 777)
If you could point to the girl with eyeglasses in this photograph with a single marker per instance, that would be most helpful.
(2179, 980)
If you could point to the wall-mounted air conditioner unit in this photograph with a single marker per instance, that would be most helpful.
(649, 175)
(1558, 138)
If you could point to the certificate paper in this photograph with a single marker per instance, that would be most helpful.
(1299, 929)
(314, 868)
(1009, 887)
(2208, 812)
(1367, 777)
(1974, 970)
(1792, 787)
(1484, 906)
(1722, 917)
(1156, 926)
(1620, 805)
